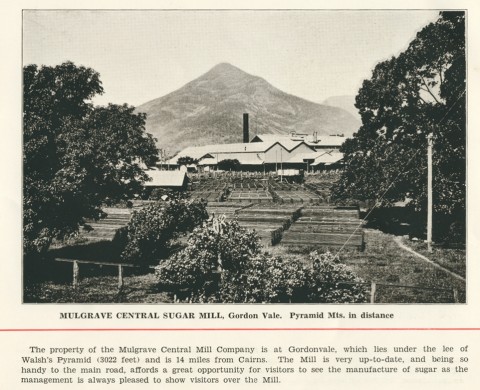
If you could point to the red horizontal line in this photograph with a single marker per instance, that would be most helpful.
(227, 329)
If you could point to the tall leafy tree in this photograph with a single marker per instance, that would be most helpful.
(76, 157)
(186, 160)
(229, 165)
(408, 97)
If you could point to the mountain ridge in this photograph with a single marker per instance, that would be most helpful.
(209, 110)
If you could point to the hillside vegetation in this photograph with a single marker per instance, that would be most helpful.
(209, 110)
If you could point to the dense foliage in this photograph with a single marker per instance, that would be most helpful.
(417, 93)
(225, 264)
(75, 156)
(267, 278)
(229, 165)
(152, 229)
(186, 160)
(208, 252)
(333, 281)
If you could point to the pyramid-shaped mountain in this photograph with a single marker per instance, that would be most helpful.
(209, 110)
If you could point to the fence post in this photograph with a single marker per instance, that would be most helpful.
(372, 292)
(120, 276)
(75, 273)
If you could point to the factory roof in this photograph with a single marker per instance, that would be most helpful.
(211, 151)
(328, 158)
(309, 139)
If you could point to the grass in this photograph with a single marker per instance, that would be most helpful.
(451, 259)
(383, 262)
(98, 288)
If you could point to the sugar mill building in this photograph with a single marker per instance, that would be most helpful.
(268, 152)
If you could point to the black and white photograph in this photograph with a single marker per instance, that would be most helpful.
(244, 156)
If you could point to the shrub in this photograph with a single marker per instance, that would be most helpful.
(266, 279)
(207, 251)
(226, 265)
(119, 241)
(188, 268)
(334, 282)
(152, 229)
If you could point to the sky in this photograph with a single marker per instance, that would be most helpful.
(143, 55)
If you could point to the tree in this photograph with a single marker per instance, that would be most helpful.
(421, 91)
(186, 160)
(229, 165)
(152, 229)
(76, 157)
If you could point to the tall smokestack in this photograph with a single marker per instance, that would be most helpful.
(246, 138)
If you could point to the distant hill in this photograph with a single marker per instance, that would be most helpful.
(346, 102)
(209, 110)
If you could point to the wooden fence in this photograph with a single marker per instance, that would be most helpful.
(373, 285)
(76, 268)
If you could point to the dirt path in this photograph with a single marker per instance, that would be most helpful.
(399, 242)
